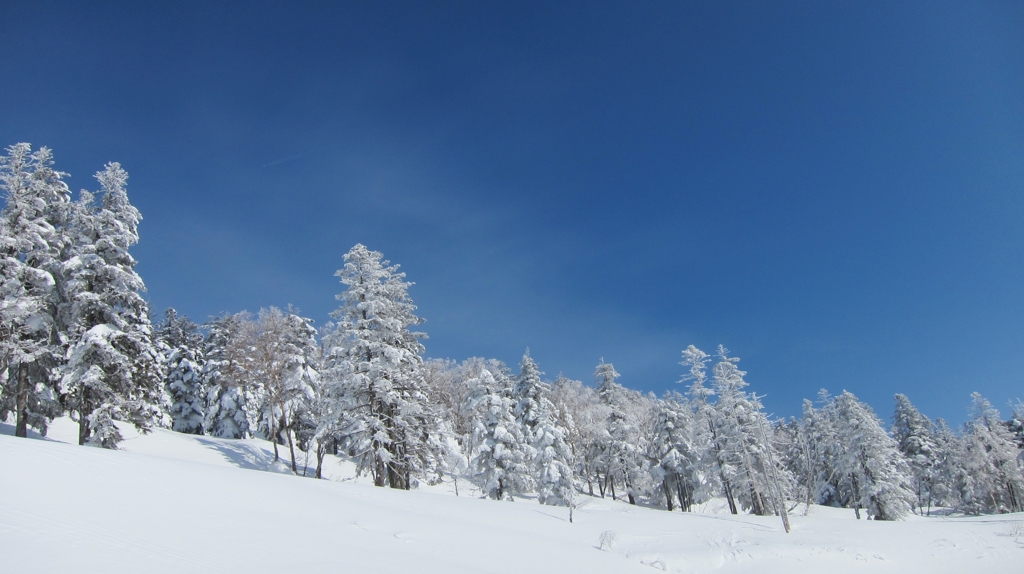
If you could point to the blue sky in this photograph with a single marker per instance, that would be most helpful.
(834, 191)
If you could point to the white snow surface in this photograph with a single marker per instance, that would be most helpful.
(168, 502)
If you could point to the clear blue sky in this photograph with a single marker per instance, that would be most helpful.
(833, 190)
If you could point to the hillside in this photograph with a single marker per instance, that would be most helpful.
(169, 502)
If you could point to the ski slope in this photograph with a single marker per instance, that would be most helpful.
(169, 502)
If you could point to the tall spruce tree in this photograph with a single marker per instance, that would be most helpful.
(992, 461)
(915, 437)
(874, 472)
(749, 458)
(112, 370)
(372, 376)
(32, 239)
(707, 435)
(225, 415)
(551, 455)
(950, 480)
(501, 458)
(182, 344)
(677, 466)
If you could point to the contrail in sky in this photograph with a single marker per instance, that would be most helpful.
(280, 161)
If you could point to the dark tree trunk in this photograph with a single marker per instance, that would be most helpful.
(291, 449)
(728, 495)
(668, 494)
(83, 429)
(628, 486)
(321, 450)
(83, 420)
(21, 403)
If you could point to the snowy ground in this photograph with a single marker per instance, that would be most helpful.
(170, 503)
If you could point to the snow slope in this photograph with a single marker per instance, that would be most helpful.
(169, 502)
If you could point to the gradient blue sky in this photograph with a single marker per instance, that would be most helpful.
(833, 190)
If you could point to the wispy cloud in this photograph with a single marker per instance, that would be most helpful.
(287, 159)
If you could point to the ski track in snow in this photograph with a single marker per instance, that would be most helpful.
(169, 502)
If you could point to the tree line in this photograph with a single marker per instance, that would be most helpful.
(77, 340)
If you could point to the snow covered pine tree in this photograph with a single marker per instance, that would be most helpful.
(32, 238)
(181, 343)
(372, 376)
(112, 369)
(554, 477)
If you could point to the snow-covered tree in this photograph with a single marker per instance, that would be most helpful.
(1016, 423)
(914, 435)
(706, 434)
(112, 369)
(814, 453)
(875, 474)
(31, 246)
(992, 461)
(268, 358)
(579, 410)
(950, 475)
(226, 415)
(501, 461)
(748, 457)
(182, 344)
(372, 376)
(677, 467)
(551, 461)
(626, 448)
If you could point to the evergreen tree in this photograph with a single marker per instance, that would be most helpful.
(183, 367)
(31, 246)
(554, 476)
(678, 461)
(627, 444)
(706, 433)
(225, 415)
(873, 470)
(112, 370)
(501, 461)
(372, 369)
(992, 461)
(1016, 423)
(816, 455)
(913, 433)
(748, 457)
(950, 475)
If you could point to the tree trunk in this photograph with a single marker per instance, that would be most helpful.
(321, 449)
(728, 495)
(380, 473)
(856, 494)
(21, 402)
(83, 420)
(291, 449)
(272, 431)
(668, 494)
(83, 429)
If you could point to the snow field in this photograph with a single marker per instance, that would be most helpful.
(170, 502)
